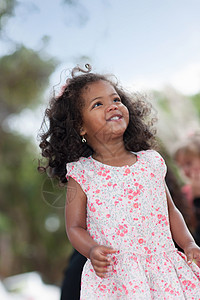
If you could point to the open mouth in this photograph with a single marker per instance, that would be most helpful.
(115, 118)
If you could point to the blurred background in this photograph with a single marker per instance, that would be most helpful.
(151, 46)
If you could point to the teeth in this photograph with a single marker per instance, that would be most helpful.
(115, 118)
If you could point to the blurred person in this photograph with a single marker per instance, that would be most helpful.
(119, 213)
(187, 157)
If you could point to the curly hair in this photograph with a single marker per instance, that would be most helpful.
(60, 139)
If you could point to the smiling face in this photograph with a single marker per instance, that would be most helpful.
(104, 115)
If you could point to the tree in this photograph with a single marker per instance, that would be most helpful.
(6, 10)
(28, 240)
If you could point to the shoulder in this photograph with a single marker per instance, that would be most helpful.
(150, 154)
(154, 159)
(83, 162)
(79, 171)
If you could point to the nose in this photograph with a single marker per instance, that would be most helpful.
(112, 107)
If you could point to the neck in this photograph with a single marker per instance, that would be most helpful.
(109, 152)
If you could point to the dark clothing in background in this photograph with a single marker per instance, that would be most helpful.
(70, 289)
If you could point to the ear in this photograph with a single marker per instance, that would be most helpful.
(82, 131)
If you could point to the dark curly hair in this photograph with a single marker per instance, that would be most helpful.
(60, 139)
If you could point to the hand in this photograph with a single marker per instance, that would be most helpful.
(100, 261)
(192, 251)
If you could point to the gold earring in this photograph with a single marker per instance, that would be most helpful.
(83, 140)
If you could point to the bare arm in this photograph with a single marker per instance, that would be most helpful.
(77, 230)
(76, 219)
(180, 232)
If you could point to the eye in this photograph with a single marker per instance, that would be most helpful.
(96, 104)
(117, 99)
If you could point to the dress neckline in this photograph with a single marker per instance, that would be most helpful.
(117, 167)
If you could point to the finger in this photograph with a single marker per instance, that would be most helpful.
(101, 275)
(197, 256)
(107, 250)
(101, 257)
(102, 254)
(189, 258)
(102, 270)
(101, 267)
(101, 264)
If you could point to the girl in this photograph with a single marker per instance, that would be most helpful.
(119, 213)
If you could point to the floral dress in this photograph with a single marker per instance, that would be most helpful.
(127, 210)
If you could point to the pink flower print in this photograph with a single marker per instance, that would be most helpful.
(152, 175)
(136, 193)
(122, 230)
(147, 249)
(127, 171)
(109, 183)
(115, 288)
(149, 259)
(114, 185)
(188, 283)
(108, 216)
(108, 177)
(98, 202)
(91, 207)
(141, 241)
(135, 205)
(124, 287)
(102, 287)
(97, 191)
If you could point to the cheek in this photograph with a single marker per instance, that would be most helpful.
(126, 114)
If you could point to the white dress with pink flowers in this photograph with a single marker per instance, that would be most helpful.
(127, 210)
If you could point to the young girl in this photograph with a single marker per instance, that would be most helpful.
(119, 213)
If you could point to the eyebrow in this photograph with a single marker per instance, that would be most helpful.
(100, 97)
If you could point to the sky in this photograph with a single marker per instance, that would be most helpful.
(147, 44)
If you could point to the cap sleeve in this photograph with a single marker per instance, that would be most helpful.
(156, 162)
(76, 171)
(160, 164)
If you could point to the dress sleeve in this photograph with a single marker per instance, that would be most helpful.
(156, 162)
(75, 170)
(160, 164)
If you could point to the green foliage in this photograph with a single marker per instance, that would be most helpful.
(23, 78)
(162, 102)
(24, 211)
(26, 242)
(196, 101)
(6, 10)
